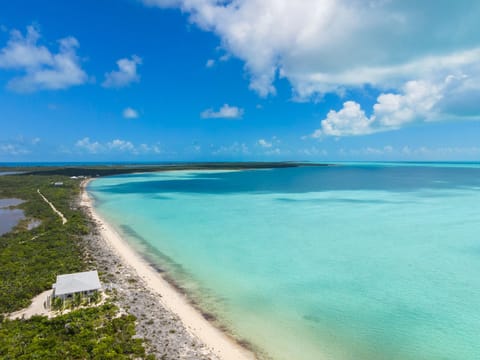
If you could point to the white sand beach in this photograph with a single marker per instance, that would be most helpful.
(217, 341)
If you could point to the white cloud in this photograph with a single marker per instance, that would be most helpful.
(350, 120)
(19, 145)
(210, 63)
(89, 146)
(271, 147)
(146, 149)
(43, 69)
(264, 143)
(336, 45)
(274, 151)
(225, 112)
(236, 148)
(116, 146)
(13, 149)
(415, 101)
(125, 75)
(23, 52)
(259, 148)
(130, 113)
(312, 42)
(121, 145)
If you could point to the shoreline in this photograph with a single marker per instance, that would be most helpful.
(217, 341)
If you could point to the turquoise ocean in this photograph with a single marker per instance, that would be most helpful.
(349, 262)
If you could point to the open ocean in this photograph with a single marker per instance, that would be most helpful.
(350, 262)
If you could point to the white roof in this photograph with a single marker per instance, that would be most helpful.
(73, 283)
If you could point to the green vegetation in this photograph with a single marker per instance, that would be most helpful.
(30, 260)
(94, 333)
(76, 301)
(29, 263)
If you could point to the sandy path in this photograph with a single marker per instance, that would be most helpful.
(217, 341)
(35, 308)
(64, 219)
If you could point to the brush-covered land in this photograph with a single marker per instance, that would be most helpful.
(30, 259)
(117, 169)
(94, 333)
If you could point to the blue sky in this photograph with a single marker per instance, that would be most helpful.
(181, 80)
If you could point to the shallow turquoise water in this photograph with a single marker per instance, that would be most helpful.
(352, 262)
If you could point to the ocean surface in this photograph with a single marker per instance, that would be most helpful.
(350, 262)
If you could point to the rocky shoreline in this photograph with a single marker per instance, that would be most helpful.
(165, 334)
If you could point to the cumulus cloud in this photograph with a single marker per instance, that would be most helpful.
(275, 151)
(416, 100)
(271, 147)
(149, 149)
(116, 146)
(264, 143)
(312, 42)
(130, 113)
(225, 112)
(350, 120)
(120, 145)
(125, 75)
(13, 149)
(19, 145)
(89, 146)
(234, 149)
(42, 68)
(335, 45)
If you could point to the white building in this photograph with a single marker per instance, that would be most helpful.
(84, 283)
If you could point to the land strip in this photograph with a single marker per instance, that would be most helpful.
(28, 267)
(64, 219)
(117, 169)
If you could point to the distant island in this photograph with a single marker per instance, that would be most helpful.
(128, 168)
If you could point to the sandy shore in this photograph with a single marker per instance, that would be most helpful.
(206, 340)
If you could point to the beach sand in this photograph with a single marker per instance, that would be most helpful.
(173, 327)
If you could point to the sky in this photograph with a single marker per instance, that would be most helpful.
(260, 80)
